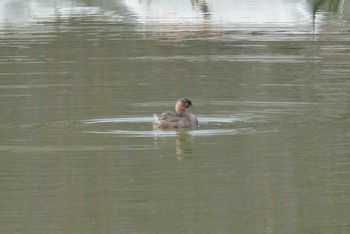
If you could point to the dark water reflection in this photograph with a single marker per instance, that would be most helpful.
(80, 80)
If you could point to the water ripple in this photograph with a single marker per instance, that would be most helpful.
(171, 133)
(204, 120)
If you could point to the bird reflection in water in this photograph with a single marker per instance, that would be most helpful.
(183, 143)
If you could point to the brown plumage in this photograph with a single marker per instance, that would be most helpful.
(180, 119)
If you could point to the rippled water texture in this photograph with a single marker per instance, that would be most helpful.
(80, 81)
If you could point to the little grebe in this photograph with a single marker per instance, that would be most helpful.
(180, 119)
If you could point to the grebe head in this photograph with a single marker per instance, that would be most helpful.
(182, 105)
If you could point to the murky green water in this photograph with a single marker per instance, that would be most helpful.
(80, 80)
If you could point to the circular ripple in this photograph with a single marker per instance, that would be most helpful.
(206, 123)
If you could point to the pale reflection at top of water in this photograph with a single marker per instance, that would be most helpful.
(219, 11)
(21, 12)
(215, 12)
(186, 13)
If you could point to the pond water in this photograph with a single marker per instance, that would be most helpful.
(80, 81)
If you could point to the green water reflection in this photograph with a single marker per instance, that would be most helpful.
(80, 80)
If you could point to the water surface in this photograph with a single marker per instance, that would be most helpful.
(80, 80)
